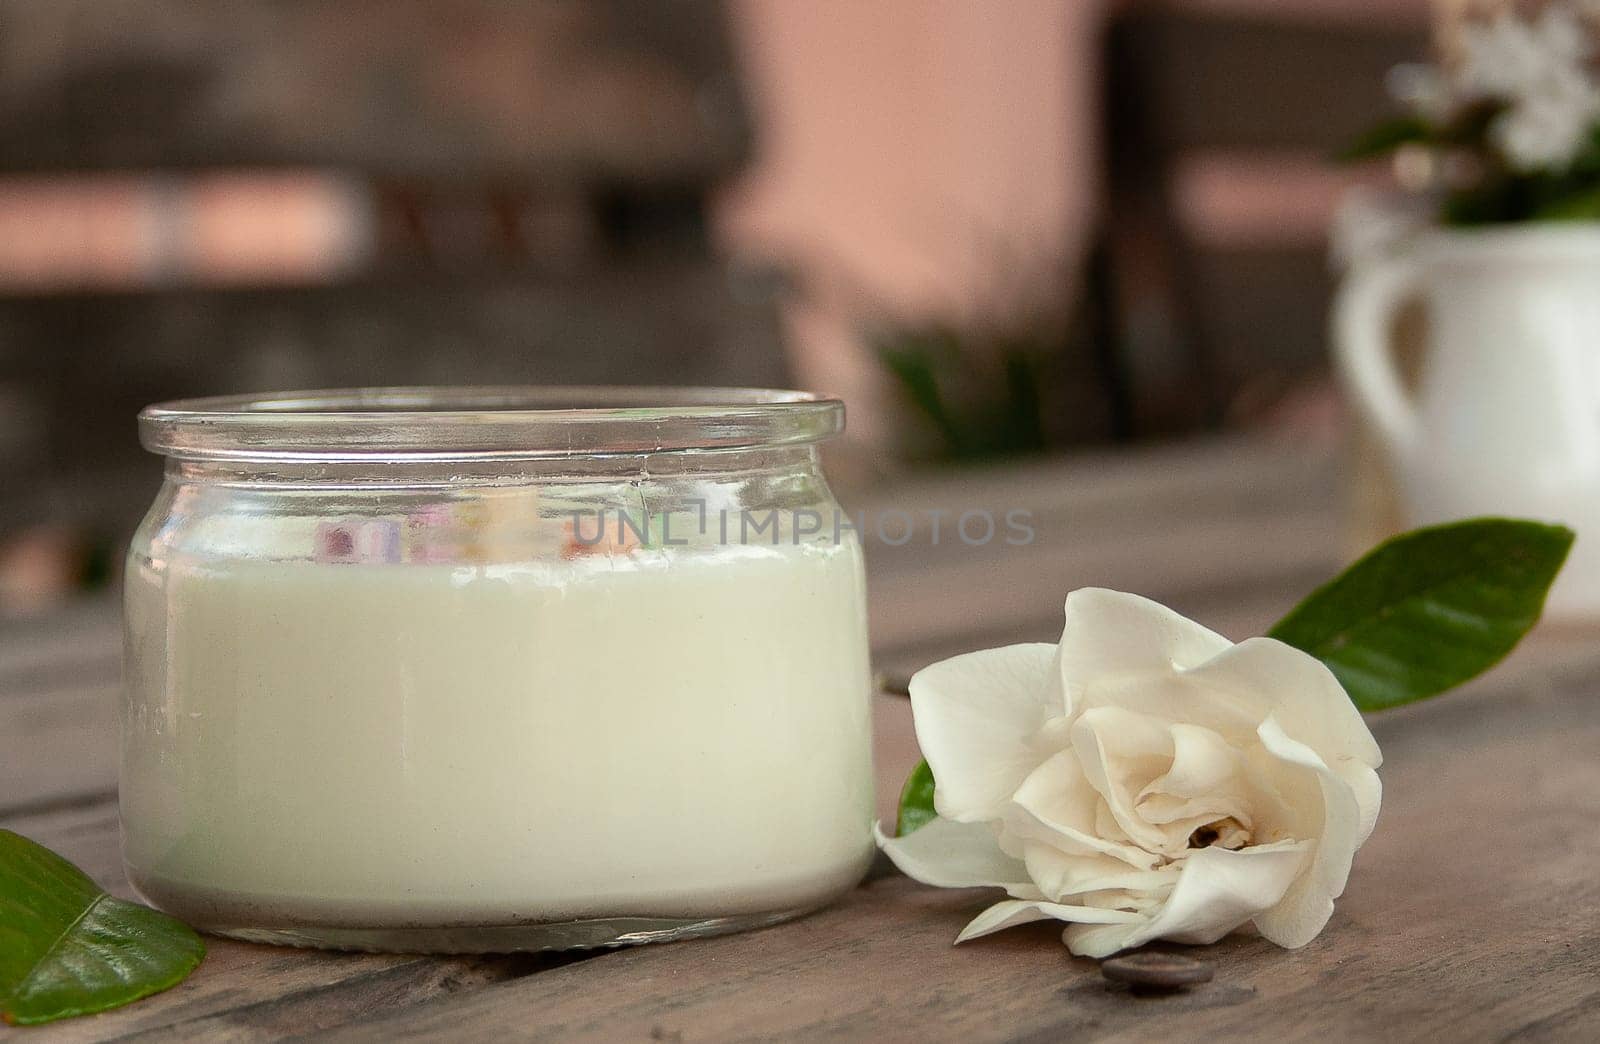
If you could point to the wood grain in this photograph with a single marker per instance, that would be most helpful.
(1215, 531)
(58, 745)
(243, 991)
(81, 642)
(618, 89)
(1473, 913)
(59, 685)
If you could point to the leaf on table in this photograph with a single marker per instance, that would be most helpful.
(1429, 609)
(916, 800)
(67, 948)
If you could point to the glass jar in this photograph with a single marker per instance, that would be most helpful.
(494, 669)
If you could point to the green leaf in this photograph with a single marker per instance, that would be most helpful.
(1576, 205)
(916, 359)
(1386, 137)
(1429, 609)
(916, 800)
(67, 948)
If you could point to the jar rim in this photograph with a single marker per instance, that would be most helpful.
(507, 422)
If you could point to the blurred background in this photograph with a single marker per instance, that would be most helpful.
(995, 229)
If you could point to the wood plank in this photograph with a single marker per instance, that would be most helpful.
(80, 642)
(881, 962)
(1455, 926)
(674, 316)
(1173, 523)
(1445, 932)
(1143, 488)
(949, 600)
(614, 91)
(58, 746)
(1238, 611)
(243, 991)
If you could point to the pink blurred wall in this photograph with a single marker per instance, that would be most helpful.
(912, 153)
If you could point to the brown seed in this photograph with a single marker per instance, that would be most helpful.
(1165, 971)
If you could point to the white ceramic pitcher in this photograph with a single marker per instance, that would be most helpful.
(1506, 419)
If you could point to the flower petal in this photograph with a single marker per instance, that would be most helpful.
(1205, 783)
(1062, 877)
(1111, 633)
(1121, 752)
(1368, 789)
(975, 715)
(1304, 910)
(1202, 761)
(947, 854)
(1299, 690)
(1101, 940)
(1009, 913)
(1057, 806)
(1217, 891)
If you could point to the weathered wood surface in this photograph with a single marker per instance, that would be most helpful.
(619, 89)
(1473, 913)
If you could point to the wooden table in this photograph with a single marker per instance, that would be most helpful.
(1473, 913)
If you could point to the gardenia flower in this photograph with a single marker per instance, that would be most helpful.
(1539, 69)
(1144, 779)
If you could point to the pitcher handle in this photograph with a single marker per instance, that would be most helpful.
(1362, 313)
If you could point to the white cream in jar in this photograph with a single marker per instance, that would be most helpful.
(432, 755)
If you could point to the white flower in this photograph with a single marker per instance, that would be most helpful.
(1547, 130)
(1422, 88)
(1145, 779)
(1540, 69)
(1506, 57)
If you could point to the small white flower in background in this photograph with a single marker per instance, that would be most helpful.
(1145, 779)
(1540, 68)
(1422, 88)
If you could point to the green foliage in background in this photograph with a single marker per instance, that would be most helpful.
(1483, 188)
(981, 396)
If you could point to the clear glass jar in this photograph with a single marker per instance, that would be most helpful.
(494, 669)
